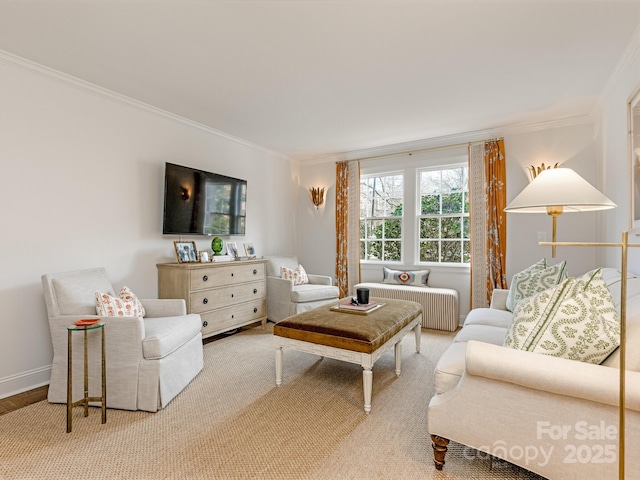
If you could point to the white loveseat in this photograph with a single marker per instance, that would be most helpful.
(285, 299)
(553, 416)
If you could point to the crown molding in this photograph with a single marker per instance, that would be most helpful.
(37, 69)
(628, 57)
(451, 140)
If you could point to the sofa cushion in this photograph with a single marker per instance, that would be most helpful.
(275, 263)
(489, 316)
(310, 293)
(125, 305)
(576, 320)
(482, 333)
(416, 278)
(166, 334)
(534, 280)
(75, 291)
(299, 276)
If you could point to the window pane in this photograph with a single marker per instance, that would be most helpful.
(374, 250)
(392, 250)
(452, 203)
(374, 229)
(430, 204)
(453, 179)
(430, 181)
(363, 250)
(451, 227)
(393, 228)
(429, 251)
(429, 228)
(466, 251)
(465, 227)
(451, 251)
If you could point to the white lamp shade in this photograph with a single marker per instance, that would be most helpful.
(559, 187)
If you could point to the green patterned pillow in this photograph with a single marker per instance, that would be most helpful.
(534, 279)
(576, 319)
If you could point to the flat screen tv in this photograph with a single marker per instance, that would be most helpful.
(203, 203)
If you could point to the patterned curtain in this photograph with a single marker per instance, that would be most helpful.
(488, 181)
(347, 226)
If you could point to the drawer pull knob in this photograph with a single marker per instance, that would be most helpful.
(205, 323)
(255, 309)
(232, 295)
(205, 278)
(232, 274)
(205, 300)
(232, 316)
(255, 272)
(255, 290)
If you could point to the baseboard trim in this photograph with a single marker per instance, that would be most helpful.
(25, 381)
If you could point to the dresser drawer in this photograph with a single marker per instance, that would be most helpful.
(231, 317)
(233, 273)
(206, 300)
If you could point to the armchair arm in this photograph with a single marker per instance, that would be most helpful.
(164, 307)
(279, 287)
(499, 298)
(320, 279)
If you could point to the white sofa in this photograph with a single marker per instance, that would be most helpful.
(553, 416)
(285, 299)
(150, 360)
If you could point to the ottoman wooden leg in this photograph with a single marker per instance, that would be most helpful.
(398, 352)
(278, 366)
(439, 450)
(367, 383)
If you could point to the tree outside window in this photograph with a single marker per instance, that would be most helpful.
(381, 199)
(444, 215)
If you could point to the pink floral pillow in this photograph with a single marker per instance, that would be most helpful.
(299, 276)
(126, 305)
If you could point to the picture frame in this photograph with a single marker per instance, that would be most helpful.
(232, 249)
(250, 250)
(186, 251)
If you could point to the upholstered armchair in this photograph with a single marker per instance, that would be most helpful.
(149, 360)
(284, 298)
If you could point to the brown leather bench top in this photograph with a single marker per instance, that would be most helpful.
(357, 333)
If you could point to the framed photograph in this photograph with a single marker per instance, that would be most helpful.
(232, 249)
(186, 251)
(250, 250)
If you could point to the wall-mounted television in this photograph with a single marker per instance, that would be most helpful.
(203, 203)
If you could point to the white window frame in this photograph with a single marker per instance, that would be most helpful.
(409, 164)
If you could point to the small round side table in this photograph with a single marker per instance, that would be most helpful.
(86, 398)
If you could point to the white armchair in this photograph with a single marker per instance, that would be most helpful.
(149, 360)
(285, 299)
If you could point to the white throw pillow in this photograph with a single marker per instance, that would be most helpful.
(415, 278)
(576, 319)
(299, 275)
(535, 279)
(126, 305)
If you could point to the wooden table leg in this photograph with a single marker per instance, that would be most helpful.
(278, 366)
(398, 353)
(367, 383)
(418, 334)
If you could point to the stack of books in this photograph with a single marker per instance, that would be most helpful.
(348, 306)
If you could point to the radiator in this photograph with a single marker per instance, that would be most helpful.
(440, 309)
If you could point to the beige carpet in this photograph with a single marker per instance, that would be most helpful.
(232, 422)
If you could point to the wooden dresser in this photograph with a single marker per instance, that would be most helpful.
(227, 295)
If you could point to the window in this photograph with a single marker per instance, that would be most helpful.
(381, 199)
(418, 212)
(444, 215)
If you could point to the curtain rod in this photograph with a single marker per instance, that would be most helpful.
(425, 149)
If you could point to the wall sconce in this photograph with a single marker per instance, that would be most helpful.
(317, 196)
(535, 171)
(184, 193)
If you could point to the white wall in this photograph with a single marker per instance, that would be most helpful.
(573, 146)
(616, 170)
(82, 186)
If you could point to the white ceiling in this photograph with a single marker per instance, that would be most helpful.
(314, 78)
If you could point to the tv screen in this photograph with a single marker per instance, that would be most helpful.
(203, 203)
